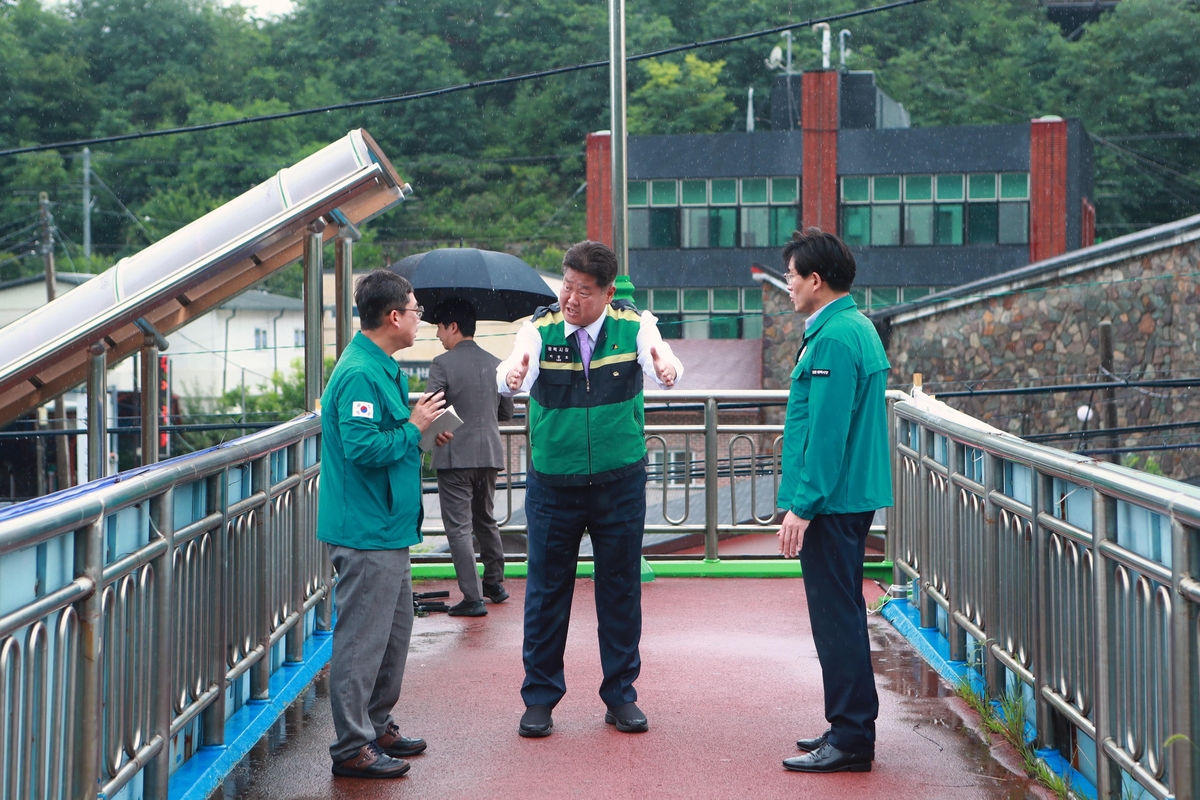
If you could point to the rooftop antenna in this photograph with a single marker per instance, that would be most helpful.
(823, 27)
(776, 62)
(843, 35)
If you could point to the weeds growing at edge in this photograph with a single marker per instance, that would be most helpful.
(1009, 724)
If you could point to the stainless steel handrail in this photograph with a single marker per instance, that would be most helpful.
(1025, 588)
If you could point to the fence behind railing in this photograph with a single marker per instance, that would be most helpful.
(1069, 581)
(140, 610)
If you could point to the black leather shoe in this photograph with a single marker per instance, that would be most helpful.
(370, 762)
(828, 758)
(536, 722)
(808, 745)
(495, 592)
(398, 746)
(468, 608)
(628, 718)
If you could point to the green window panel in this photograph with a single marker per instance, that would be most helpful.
(949, 187)
(637, 193)
(754, 190)
(665, 300)
(756, 227)
(918, 188)
(1014, 186)
(1014, 223)
(695, 227)
(784, 190)
(695, 193)
(726, 300)
(641, 298)
(664, 228)
(859, 295)
(885, 226)
(695, 300)
(639, 228)
(664, 193)
(918, 224)
(670, 326)
(916, 292)
(948, 224)
(722, 226)
(884, 296)
(982, 224)
(887, 189)
(981, 187)
(856, 225)
(752, 299)
(724, 192)
(856, 190)
(783, 224)
(724, 326)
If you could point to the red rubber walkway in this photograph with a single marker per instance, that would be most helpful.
(729, 680)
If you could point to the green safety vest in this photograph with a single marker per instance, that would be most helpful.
(586, 429)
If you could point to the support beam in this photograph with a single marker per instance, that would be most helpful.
(97, 401)
(343, 267)
(620, 141)
(314, 247)
(150, 400)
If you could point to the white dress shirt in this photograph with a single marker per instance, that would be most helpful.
(529, 342)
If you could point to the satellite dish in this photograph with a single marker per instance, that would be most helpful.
(776, 59)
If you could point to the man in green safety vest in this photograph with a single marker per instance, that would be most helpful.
(583, 360)
(836, 473)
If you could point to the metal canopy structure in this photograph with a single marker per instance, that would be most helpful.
(195, 269)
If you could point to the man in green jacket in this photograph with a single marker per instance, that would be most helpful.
(836, 474)
(369, 514)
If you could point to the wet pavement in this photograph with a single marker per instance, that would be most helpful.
(729, 680)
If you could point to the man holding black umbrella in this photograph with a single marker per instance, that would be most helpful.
(583, 360)
(467, 466)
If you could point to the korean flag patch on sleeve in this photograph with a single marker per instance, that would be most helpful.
(363, 409)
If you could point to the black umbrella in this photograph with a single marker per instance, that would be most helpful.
(498, 285)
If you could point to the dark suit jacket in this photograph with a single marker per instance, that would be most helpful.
(468, 376)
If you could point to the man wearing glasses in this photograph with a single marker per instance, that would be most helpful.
(369, 515)
(583, 360)
(836, 473)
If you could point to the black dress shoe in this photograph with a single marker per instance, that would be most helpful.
(536, 722)
(828, 758)
(808, 745)
(628, 718)
(495, 592)
(398, 746)
(468, 608)
(370, 762)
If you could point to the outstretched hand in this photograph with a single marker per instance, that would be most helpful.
(663, 368)
(428, 408)
(516, 375)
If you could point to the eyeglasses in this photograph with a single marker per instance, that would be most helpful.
(419, 311)
(790, 276)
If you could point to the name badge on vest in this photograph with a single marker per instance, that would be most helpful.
(557, 353)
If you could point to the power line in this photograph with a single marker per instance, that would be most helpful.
(462, 87)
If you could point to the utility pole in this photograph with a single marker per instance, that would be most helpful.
(1108, 414)
(61, 456)
(87, 203)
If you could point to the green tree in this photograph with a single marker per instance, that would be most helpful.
(680, 99)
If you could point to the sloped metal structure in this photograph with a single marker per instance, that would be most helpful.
(193, 270)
